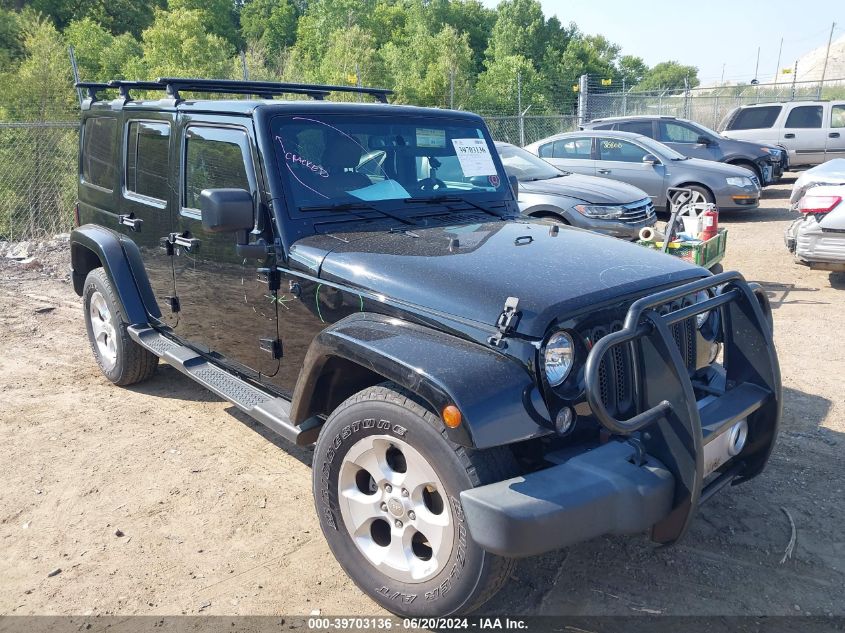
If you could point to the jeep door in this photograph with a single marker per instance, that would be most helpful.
(803, 135)
(835, 147)
(225, 309)
(622, 160)
(573, 154)
(147, 198)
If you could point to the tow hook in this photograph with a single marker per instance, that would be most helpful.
(506, 323)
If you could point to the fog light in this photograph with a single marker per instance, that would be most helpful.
(738, 436)
(565, 421)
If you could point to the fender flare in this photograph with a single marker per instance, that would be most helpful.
(497, 397)
(546, 210)
(121, 259)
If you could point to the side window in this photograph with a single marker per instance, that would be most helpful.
(147, 159)
(837, 116)
(546, 150)
(215, 158)
(755, 118)
(805, 117)
(619, 150)
(677, 133)
(637, 127)
(579, 148)
(98, 158)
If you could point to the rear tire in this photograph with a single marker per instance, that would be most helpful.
(387, 486)
(121, 359)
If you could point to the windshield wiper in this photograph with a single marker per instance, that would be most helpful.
(339, 207)
(444, 199)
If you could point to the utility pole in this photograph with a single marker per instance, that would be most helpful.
(794, 76)
(757, 70)
(826, 55)
(452, 88)
(722, 82)
(777, 70)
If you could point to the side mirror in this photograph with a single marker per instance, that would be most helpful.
(651, 159)
(703, 140)
(227, 210)
(514, 182)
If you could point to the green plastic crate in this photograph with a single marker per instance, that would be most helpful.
(704, 254)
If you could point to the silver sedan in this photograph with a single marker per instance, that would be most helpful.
(650, 165)
(612, 208)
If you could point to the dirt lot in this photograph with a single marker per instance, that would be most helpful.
(217, 519)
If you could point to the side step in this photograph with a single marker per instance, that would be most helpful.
(271, 411)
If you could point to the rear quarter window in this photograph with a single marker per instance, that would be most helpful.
(148, 159)
(754, 118)
(805, 117)
(99, 137)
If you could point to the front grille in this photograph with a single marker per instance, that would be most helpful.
(637, 212)
(616, 372)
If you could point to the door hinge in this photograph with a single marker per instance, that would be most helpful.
(173, 302)
(271, 345)
(506, 323)
(273, 277)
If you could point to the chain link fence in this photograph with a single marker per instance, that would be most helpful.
(522, 130)
(707, 106)
(37, 179)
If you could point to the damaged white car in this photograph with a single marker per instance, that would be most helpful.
(817, 237)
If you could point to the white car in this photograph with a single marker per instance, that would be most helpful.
(817, 237)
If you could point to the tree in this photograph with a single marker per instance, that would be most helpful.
(116, 16)
(177, 45)
(631, 69)
(497, 87)
(219, 17)
(272, 23)
(351, 54)
(669, 76)
(519, 30)
(439, 66)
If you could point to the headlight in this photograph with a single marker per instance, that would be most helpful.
(558, 357)
(701, 319)
(771, 151)
(740, 181)
(600, 211)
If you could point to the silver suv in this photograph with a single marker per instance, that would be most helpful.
(697, 141)
(811, 131)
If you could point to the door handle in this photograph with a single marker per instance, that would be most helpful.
(603, 171)
(834, 135)
(131, 221)
(790, 135)
(189, 243)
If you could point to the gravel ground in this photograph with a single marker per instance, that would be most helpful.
(163, 499)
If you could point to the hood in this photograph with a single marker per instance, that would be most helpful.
(589, 189)
(752, 148)
(552, 273)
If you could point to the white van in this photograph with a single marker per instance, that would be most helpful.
(810, 131)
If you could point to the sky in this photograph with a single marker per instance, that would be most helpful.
(708, 33)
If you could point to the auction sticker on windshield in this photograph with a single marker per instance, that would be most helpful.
(474, 157)
(431, 138)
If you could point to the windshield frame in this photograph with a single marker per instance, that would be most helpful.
(294, 209)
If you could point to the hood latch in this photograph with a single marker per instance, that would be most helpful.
(506, 323)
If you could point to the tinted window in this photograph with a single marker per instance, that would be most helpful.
(754, 118)
(147, 159)
(677, 133)
(98, 151)
(214, 159)
(619, 150)
(837, 116)
(637, 127)
(804, 117)
(573, 148)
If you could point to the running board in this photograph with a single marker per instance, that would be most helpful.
(271, 411)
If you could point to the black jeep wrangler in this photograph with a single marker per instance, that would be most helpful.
(480, 386)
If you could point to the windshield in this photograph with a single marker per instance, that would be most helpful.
(345, 160)
(706, 130)
(525, 166)
(660, 149)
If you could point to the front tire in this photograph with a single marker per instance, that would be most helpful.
(121, 359)
(387, 486)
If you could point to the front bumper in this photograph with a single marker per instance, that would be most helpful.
(659, 466)
(614, 228)
(733, 198)
(771, 169)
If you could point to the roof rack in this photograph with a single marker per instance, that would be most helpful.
(265, 89)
